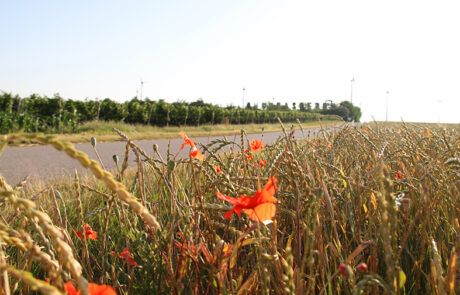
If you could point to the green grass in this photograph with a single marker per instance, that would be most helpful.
(341, 202)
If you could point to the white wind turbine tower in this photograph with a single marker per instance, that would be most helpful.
(142, 87)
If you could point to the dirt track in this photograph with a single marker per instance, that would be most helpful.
(45, 163)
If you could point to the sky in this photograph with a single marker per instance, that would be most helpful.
(282, 51)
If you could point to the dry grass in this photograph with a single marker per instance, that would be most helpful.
(104, 130)
(397, 125)
(384, 196)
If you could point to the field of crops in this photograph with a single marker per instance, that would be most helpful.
(369, 209)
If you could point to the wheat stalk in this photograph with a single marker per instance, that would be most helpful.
(95, 168)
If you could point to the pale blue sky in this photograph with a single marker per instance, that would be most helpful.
(290, 50)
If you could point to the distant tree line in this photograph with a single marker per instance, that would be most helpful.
(346, 110)
(57, 115)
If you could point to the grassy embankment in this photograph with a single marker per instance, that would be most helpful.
(386, 197)
(103, 130)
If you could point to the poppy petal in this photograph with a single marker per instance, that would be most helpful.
(95, 289)
(262, 212)
(237, 210)
(184, 137)
(70, 288)
(125, 253)
(270, 187)
(267, 198)
(250, 213)
(91, 235)
(196, 153)
(79, 234)
(233, 201)
(187, 140)
(130, 261)
(228, 214)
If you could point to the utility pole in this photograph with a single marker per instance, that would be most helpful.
(351, 92)
(244, 89)
(142, 86)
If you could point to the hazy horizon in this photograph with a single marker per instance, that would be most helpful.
(292, 51)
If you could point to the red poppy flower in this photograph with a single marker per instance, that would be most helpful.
(94, 289)
(126, 255)
(259, 207)
(257, 145)
(89, 233)
(399, 175)
(195, 152)
(217, 169)
(261, 163)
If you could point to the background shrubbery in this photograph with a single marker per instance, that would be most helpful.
(57, 115)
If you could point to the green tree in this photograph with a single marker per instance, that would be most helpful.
(317, 106)
(110, 110)
(136, 112)
(302, 107)
(354, 112)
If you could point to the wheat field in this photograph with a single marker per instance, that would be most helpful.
(369, 209)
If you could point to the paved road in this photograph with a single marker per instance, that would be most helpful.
(46, 163)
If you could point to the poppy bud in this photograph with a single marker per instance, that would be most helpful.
(345, 270)
(362, 268)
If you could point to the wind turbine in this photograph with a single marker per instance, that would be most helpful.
(142, 87)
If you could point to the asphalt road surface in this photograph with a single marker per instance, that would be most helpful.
(46, 163)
